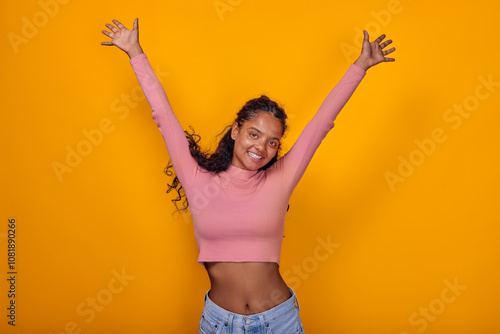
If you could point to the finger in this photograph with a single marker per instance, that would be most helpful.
(118, 24)
(380, 38)
(388, 51)
(107, 33)
(112, 28)
(389, 59)
(366, 42)
(107, 43)
(383, 45)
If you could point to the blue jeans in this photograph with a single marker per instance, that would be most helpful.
(281, 319)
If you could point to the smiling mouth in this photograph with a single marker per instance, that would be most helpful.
(255, 156)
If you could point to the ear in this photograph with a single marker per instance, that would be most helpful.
(234, 130)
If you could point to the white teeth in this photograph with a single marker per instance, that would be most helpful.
(253, 155)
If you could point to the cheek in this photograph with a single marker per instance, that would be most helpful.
(271, 152)
(245, 143)
(241, 145)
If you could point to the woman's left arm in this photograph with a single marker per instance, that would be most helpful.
(294, 163)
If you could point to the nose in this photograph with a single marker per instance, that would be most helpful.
(259, 146)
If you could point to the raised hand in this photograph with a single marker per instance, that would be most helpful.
(371, 53)
(125, 39)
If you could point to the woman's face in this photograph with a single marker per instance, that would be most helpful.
(256, 141)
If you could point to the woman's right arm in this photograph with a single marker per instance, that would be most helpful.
(168, 124)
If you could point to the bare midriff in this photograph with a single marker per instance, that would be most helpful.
(246, 287)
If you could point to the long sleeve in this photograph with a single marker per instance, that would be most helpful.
(294, 163)
(168, 124)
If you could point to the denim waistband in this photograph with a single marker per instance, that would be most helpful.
(223, 315)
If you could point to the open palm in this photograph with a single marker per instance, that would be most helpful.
(125, 39)
(373, 51)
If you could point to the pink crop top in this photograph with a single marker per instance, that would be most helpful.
(239, 215)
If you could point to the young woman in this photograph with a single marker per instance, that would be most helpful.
(238, 196)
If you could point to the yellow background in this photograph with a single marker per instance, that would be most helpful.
(396, 244)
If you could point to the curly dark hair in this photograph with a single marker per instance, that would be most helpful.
(221, 159)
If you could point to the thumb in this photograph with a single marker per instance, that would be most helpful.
(136, 24)
(366, 37)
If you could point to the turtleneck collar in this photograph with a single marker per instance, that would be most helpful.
(241, 173)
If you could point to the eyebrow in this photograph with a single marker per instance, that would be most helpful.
(252, 128)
